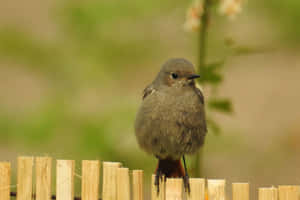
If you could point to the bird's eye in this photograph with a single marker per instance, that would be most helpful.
(174, 76)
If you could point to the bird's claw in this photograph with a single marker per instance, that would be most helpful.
(158, 179)
(186, 184)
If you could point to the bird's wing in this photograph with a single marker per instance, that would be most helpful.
(148, 91)
(199, 93)
(201, 97)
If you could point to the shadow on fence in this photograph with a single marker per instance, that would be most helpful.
(117, 184)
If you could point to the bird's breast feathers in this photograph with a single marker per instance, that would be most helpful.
(173, 105)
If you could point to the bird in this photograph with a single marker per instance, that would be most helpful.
(171, 122)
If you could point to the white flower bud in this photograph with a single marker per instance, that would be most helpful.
(193, 15)
(230, 8)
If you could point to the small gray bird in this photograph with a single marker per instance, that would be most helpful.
(171, 120)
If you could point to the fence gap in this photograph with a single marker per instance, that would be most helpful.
(216, 189)
(65, 170)
(137, 184)
(174, 189)
(24, 178)
(109, 185)
(197, 189)
(5, 174)
(90, 179)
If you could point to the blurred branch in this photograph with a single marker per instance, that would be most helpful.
(202, 54)
(203, 33)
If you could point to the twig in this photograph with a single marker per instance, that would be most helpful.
(203, 33)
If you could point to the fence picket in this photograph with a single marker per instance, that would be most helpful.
(174, 189)
(288, 192)
(5, 173)
(109, 186)
(240, 191)
(24, 178)
(162, 189)
(43, 178)
(90, 179)
(65, 170)
(197, 189)
(123, 187)
(137, 184)
(216, 189)
(270, 193)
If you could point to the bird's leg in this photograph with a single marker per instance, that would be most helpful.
(158, 178)
(186, 181)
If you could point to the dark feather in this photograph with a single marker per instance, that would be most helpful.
(147, 91)
(200, 95)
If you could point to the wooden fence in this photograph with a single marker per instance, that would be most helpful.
(118, 183)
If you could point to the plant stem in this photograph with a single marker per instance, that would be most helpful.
(203, 33)
(202, 55)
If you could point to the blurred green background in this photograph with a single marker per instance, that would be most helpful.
(72, 75)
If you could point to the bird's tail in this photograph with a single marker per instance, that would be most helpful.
(170, 168)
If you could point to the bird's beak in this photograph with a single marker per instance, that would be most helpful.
(193, 76)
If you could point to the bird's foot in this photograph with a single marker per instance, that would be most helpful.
(158, 179)
(186, 183)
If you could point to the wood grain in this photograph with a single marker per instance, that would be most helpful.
(24, 178)
(65, 179)
(5, 173)
(137, 184)
(90, 179)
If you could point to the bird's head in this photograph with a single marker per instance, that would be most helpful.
(176, 73)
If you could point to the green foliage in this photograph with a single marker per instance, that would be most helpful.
(40, 127)
(210, 74)
(36, 53)
(286, 15)
(222, 105)
(213, 126)
(93, 34)
(95, 140)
